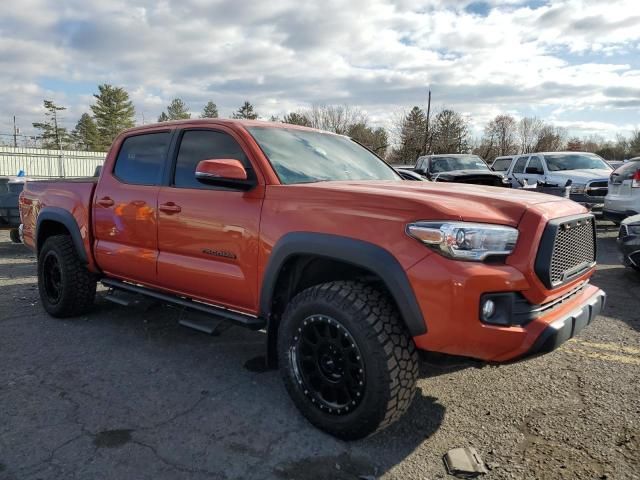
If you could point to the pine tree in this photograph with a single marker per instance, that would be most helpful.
(53, 136)
(450, 133)
(85, 135)
(178, 110)
(113, 112)
(210, 110)
(246, 111)
(163, 117)
(412, 133)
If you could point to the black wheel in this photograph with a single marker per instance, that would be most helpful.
(66, 286)
(14, 235)
(346, 359)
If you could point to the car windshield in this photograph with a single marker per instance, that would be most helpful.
(575, 161)
(448, 164)
(501, 164)
(305, 156)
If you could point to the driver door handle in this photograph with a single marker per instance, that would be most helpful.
(170, 208)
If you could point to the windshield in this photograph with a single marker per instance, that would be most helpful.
(575, 161)
(304, 156)
(501, 164)
(447, 164)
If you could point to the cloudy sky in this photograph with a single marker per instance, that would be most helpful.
(573, 62)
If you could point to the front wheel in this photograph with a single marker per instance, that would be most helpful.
(67, 288)
(346, 358)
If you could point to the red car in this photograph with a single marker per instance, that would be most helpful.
(310, 236)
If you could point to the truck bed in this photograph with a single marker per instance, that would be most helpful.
(55, 196)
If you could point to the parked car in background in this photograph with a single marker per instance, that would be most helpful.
(10, 188)
(615, 163)
(587, 173)
(502, 164)
(409, 174)
(308, 235)
(459, 168)
(623, 196)
(629, 242)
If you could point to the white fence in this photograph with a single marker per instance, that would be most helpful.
(38, 162)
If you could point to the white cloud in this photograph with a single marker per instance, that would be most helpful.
(570, 57)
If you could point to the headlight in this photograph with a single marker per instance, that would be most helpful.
(633, 229)
(465, 241)
(578, 188)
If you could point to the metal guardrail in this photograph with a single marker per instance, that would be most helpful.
(38, 162)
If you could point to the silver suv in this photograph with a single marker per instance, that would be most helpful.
(623, 197)
(588, 172)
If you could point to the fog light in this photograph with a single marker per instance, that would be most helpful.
(488, 309)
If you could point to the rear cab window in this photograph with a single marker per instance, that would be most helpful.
(535, 162)
(501, 164)
(141, 158)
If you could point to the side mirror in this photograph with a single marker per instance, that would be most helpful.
(533, 171)
(224, 172)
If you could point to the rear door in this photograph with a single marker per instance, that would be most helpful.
(125, 208)
(208, 235)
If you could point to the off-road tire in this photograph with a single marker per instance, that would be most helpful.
(389, 356)
(77, 285)
(14, 235)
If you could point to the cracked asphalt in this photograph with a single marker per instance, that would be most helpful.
(128, 393)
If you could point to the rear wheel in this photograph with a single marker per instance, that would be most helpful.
(67, 288)
(346, 359)
(14, 235)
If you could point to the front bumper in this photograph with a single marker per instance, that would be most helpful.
(561, 330)
(629, 247)
(450, 292)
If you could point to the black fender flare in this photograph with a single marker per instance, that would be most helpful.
(64, 217)
(349, 250)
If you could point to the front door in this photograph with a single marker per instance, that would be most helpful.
(534, 172)
(125, 209)
(208, 235)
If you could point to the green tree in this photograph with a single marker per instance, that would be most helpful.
(178, 110)
(450, 133)
(246, 111)
(113, 112)
(412, 131)
(53, 136)
(374, 139)
(210, 110)
(297, 118)
(85, 135)
(163, 117)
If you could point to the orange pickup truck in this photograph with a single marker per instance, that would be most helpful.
(311, 237)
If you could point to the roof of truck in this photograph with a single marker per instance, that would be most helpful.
(221, 121)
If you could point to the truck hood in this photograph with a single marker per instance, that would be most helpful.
(426, 200)
(578, 176)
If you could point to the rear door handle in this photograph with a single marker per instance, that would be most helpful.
(106, 202)
(170, 208)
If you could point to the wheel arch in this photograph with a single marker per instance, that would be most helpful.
(302, 259)
(55, 221)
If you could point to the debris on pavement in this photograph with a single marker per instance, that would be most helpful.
(464, 463)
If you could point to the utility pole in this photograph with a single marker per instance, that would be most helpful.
(426, 130)
(15, 133)
(55, 125)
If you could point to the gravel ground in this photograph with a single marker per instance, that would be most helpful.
(127, 393)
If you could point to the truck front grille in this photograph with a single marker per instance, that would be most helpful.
(567, 249)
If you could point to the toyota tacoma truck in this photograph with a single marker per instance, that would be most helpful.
(315, 240)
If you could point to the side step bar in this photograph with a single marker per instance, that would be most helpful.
(247, 321)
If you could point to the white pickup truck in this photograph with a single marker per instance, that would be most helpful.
(588, 172)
